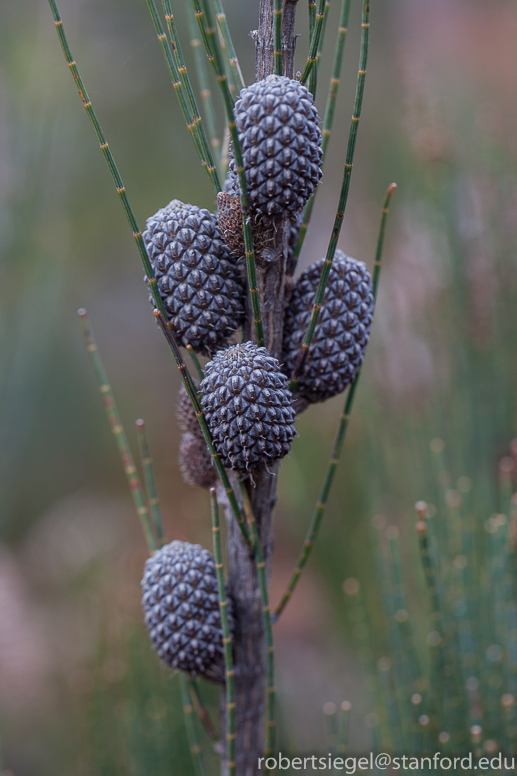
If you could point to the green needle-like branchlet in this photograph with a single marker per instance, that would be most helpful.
(205, 90)
(195, 360)
(335, 78)
(150, 481)
(230, 48)
(190, 726)
(137, 234)
(192, 394)
(108, 156)
(313, 4)
(268, 624)
(343, 198)
(181, 83)
(277, 36)
(313, 78)
(330, 109)
(213, 52)
(227, 638)
(344, 723)
(314, 42)
(339, 439)
(201, 710)
(213, 44)
(380, 240)
(118, 431)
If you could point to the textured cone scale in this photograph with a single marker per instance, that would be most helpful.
(195, 461)
(281, 144)
(247, 407)
(186, 413)
(181, 609)
(197, 278)
(341, 335)
(230, 225)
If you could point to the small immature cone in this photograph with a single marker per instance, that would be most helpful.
(186, 413)
(196, 462)
(230, 224)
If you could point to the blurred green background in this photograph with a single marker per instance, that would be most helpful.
(82, 693)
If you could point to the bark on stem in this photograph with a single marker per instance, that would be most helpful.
(249, 642)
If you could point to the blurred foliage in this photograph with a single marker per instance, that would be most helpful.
(441, 364)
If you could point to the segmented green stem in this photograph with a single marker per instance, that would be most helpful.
(277, 36)
(181, 81)
(330, 108)
(204, 88)
(268, 629)
(343, 198)
(312, 16)
(315, 41)
(118, 430)
(339, 439)
(137, 234)
(195, 360)
(201, 710)
(380, 240)
(321, 505)
(192, 394)
(227, 638)
(444, 674)
(313, 78)
(215, 58)
(181, 84)
(344, 723)
(150, 481)
(230, 48)
(335, 78)
(212, 45)
(108, 156)
(190, 726)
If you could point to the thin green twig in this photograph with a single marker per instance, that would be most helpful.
(330, 109)
(150, 481)
(201, 710)
(344, 723)
(108, 157)
(313, 4)
(337, 447)
(380, 240)
(211, 43)
(227, 638)
(195, 360)
(343, 198)
(178, 69)
(277, 36)
(137, 234)
(230, 48)
(190, 726)
(268, 629)
(192, 393)
(315, 41)
(335, 78)
(204, 89)
(215, 58)
(181, 83)
(313, 78)
(118, 430)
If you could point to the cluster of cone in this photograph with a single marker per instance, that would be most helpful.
(197, 260)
